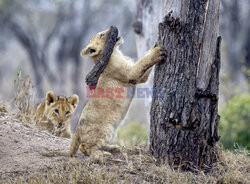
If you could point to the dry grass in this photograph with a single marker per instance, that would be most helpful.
(3, 109)
(24, 98)
(136, 165)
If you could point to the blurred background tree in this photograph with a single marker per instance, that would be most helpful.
(235, 31)
(43, 38)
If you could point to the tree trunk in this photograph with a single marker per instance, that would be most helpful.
(184, 120)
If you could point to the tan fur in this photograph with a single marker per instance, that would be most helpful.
(101, 117)
(54, 114)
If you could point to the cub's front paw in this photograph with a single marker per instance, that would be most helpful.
(159, 54)
(58, 131)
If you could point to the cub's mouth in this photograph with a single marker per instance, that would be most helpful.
(91, 51)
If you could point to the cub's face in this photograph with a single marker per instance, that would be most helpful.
(96, 45)
(59, 110)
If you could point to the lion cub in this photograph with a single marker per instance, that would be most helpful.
(103, 113)
(54, 114)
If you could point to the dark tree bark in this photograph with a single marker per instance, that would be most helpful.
(184, 122)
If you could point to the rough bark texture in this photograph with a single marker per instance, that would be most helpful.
(184, 122)
(94, 74)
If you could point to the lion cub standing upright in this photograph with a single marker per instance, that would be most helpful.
(103, 113)
(54, 114)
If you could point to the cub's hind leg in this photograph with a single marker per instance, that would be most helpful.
(95, 139)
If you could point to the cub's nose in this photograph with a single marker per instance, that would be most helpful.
(59, 124)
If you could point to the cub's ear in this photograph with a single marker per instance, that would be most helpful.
(50, 97)
(73, 100)
(85, 52)
(156, 44)
(90, 51)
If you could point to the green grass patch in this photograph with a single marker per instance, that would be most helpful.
(131, 134)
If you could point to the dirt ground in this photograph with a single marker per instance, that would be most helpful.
(21, 148)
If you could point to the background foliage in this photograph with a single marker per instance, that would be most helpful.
(235, 125)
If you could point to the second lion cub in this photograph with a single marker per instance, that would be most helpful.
(54, 114)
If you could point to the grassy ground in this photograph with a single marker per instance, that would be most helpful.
(135, 165)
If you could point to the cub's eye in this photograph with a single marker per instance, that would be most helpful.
(102, 35)
(56, 111)
(67, 113)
